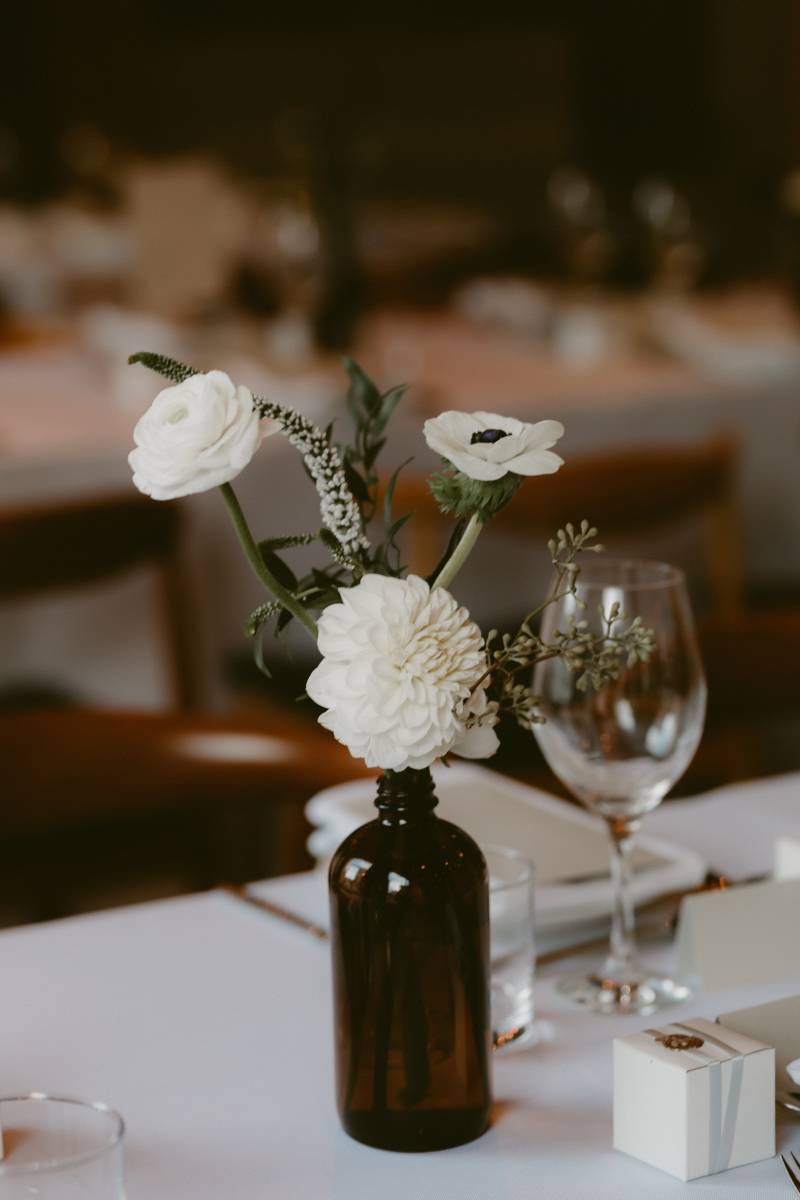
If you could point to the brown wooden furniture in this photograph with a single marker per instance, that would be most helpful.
(624, 493)
(47, 547)
(97, 802)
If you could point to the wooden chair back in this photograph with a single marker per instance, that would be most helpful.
(47, 547)
(96, 799)
(624, 493)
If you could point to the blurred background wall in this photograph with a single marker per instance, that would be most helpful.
(458, 103)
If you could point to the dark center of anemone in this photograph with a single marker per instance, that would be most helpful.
(487, 436)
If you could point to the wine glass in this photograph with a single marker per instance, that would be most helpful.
(620, 747)
(675, 245)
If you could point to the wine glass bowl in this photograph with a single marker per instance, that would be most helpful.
(619, 745)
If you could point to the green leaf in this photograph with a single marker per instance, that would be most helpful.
(389, 497)
(283, 621)
(320, 578)
(258, 658)
(390, 401)
(372, 452)
(356, 484)
(397, 526)
(363, 392)
(353, 409)
(281, 570)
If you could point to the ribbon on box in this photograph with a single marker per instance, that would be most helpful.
(721, 1125)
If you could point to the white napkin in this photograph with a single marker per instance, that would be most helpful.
(569, 848)
(738, 357)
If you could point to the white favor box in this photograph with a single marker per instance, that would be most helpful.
(787, 858)
(694, 1098)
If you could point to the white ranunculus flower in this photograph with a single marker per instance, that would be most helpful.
(486, 446)
(196, 436)
(399, 672)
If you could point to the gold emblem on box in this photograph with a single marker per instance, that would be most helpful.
(680, 1041)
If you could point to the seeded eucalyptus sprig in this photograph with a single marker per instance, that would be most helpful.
(599, 657)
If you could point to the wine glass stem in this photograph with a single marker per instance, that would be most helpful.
(623, 940)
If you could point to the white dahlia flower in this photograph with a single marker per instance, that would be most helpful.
(399, 675)
(486, 446)
(195, 436)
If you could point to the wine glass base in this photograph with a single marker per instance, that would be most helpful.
(639, 990)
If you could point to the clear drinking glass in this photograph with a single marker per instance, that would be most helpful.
(513, 950)
(620, 749)
(60, 1149)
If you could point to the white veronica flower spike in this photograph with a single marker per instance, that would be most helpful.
(487, 446)
(399, 677)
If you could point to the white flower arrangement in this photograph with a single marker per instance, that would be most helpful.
(405, 675)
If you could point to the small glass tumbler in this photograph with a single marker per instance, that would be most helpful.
(60, 1149)
(513, 950)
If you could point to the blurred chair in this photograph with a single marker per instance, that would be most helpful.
(625, 493)
(103, 806)
(76, 544)
(753, 721)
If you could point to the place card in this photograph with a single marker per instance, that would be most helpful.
(694, 1098)
(778, 1024)
(787, 858)
(742, 934)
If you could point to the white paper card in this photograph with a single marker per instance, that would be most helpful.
(776, 1023)
(787, 858)
(739, 935)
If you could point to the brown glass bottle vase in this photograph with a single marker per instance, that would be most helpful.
(410, 941)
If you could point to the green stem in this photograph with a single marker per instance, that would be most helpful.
(253, 554)
(461, 553)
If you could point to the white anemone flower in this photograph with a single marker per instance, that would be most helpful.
(399, 677)
(487, 446)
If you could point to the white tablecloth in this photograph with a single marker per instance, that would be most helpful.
(208, 1024)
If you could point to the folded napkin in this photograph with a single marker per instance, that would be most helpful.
(735, 828)
(568, 847)
(740, 356)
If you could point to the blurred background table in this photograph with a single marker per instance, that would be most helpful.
(66, 421)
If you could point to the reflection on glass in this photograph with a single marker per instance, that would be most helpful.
(513, 950)
(60, 1149)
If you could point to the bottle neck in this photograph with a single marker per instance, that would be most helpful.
(405, 796)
